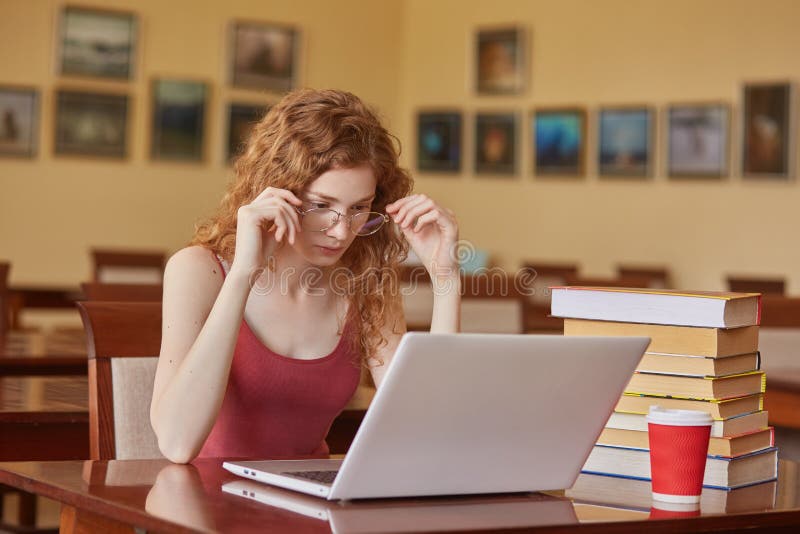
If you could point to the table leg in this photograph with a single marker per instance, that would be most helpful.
(74, 521)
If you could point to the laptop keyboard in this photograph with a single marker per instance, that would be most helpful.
(323, 477)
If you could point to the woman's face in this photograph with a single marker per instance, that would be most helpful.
(347, 191)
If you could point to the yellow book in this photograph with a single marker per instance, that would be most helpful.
(727, 446)
(687, 340)
(693, 387)
(718, 409)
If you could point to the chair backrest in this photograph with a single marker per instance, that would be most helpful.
(543, 275)
(128, 266)
(628, 281)
(122, 292)
(767, 286)
(5, 305)
(123, 342)
(658, 277)
(492, 304)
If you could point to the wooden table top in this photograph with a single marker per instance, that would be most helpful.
(160, 496)
(38, 353)
(37, 396)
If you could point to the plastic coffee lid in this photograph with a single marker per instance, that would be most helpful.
(663, 416)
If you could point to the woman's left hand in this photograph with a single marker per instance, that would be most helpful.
(430, 229)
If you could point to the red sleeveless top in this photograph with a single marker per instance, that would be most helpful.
(277, 406)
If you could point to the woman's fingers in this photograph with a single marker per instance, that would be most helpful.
(412, 210)
(285, 194)
(427, 218)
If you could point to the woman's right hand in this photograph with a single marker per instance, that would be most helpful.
(262, 224)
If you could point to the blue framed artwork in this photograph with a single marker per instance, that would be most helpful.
(496, 143)
(559, 141)
(97, 42)
(698, 136)
(439, 142)
(178, 120)
(625, 145)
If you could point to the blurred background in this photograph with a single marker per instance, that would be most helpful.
(145, 191)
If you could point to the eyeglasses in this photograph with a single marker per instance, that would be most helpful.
(361, 224)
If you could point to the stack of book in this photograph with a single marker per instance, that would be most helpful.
(703, 355)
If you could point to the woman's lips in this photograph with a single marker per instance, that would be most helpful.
(332, 251)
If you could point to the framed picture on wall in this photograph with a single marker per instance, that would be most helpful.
(96, 42)
(496, 143)
(241, 119)
(625, 141)
(178, 120)
(19, 121)
(768, 136)
(439, 141)
(91, 124)
(698, 139)
(500, 62)
(264, 56)
(559, 141)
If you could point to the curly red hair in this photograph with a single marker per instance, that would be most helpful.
(306, 134)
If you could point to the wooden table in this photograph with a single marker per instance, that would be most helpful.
(39, 353)
(44, 418)
(113, 496)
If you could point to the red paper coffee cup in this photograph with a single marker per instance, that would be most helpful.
(678, 449)
(674, 510)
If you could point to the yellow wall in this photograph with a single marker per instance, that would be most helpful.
(53, 208)
(404, 54)
(614, 52)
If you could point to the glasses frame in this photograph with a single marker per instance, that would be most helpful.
(348, 219)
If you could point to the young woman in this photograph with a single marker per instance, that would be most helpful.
(290, 288)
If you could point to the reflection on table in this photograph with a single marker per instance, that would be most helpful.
(43, 353)
(158, 495)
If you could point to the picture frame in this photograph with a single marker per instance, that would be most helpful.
(500, 60)
(19, 122)
(241, 119)
(625, 141)
(439, 141)
(559, 141)
(264, 56)
(698, 140)
(97, 43)
(179, 109)
(767, 144)
(91, 124)
(496, 143)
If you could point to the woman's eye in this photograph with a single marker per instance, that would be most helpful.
(317, 205)
(360, 208)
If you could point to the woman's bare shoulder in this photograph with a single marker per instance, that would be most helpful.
(194, 267)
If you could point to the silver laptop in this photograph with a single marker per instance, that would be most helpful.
(470, 414)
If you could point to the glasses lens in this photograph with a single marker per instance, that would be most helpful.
(318, 219)
(367, 223)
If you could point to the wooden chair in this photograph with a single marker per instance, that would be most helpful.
(5, 304)
(128, 266)
(123, 342)
(594, 281)
(659, 277)
(492, 303)
(766, 286)
(122, 292)
(779, 345)
(538, 277)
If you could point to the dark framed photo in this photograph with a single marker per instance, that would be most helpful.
(241, 119)
(97, 43)
(91, 124)
(179, 109)
(625, 141)
(768, 140)
(698, 137)
(439, 141)
(19, 122)
(500, 60)
(496, 143)
(264, 56)
(559, 141)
